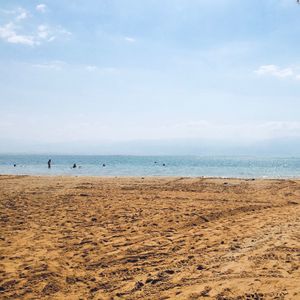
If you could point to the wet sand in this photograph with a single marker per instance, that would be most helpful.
(151, 238)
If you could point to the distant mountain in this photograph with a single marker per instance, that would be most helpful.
(272, 147)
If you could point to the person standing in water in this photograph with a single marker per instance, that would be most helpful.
(49, 163)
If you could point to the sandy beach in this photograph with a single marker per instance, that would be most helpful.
(149, 238)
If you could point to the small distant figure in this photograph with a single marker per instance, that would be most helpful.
(103, 165)
(49, 163)
(74, 166)
(155, 162)
(15, 165)
(164, 165)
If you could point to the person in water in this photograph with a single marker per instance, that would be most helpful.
(49, 163)
(74, 166)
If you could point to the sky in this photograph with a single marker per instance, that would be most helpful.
(104, 72)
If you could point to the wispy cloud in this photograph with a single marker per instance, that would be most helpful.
(22, 14)
(18, 14)
(53, 65)
(8, 33)
(15, 31)
(91, 68)
(100, 70)
(275, 70)
(244, 131)
(41, 8)
(43, 32)
(49, 34)
(58, 65)
(129, 39)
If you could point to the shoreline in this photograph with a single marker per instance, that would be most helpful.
(150, 177)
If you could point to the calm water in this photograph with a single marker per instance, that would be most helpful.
(151, 166)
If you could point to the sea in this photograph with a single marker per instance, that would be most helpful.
(124, 165)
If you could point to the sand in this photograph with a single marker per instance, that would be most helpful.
(149, 238)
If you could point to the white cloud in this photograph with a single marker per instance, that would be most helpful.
(53, 65)
(15, 31)
(129, 39)
(44, 33)
(41, 8)
(91, 68)
(274, 70)
(8, 33)
(22, 14)
(59, 65)
(244, 131)
(49, 34)
(62, 31)
(19, 14)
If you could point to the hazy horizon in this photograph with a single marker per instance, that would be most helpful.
(181, 147)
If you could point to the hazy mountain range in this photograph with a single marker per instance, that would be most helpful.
(271, 147)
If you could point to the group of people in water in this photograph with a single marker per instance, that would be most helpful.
(73, 167)
(49, 165)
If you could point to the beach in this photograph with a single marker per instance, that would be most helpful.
(67, 237)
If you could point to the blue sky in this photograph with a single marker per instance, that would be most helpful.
(108, 70)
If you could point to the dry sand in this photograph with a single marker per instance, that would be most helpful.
(152, 238)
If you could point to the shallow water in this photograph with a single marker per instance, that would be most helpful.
(244, 167)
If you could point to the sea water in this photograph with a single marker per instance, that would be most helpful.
(94, 165)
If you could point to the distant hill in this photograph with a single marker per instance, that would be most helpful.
(272, 147)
